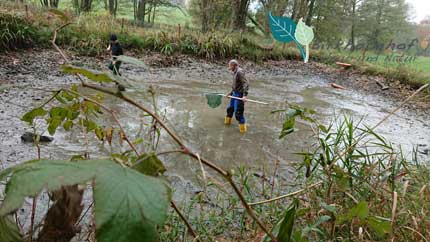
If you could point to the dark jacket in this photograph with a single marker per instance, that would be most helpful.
(116, 49)
(240, 83)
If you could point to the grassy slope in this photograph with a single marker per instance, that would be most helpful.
(91, 31)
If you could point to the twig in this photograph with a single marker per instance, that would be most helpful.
(286, 195)
(413, 230)
(55, 38)
(170, 152)
(85, 213)
(190, 228)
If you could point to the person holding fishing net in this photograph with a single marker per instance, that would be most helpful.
(238, 96)
(240, 90)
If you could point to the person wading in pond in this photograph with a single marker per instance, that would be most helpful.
(115, 50)
(239, 89)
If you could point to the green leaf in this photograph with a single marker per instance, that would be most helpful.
(287, 224)
(132, 60)
(58, 112)
(99, 133)
(68, 96)
(68, 125)
(128, 205)
(53, 125)
(330, 208)
(283, 29)
(304, 34)
(284, 228)
(60, 99)
(29, 116)
(288, 127)
(90, 125)
(380, 227)
(361, 210)
(299, 237)
(149, 165)
(9, 231)
(90, 74)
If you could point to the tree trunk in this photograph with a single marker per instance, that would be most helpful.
(141, 10)
(86, 5)
(354, 5)
(294, 12)
(303, 9)
(310, 13)
(204, 18)
(112, 7)
(53, 3)
(380, 11)
(106, 5)
(76, 6)
(240, 11)
(116, 8)
(153, 14)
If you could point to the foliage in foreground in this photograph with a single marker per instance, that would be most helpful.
(368, 191)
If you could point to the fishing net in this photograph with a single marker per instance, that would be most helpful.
(214, 99)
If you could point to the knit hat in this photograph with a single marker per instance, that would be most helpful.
(113, 37)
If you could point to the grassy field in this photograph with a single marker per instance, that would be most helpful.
(164, 15)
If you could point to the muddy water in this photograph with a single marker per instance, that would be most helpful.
(181, 97)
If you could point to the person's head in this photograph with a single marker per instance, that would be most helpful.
(232, 65)
(113, 38)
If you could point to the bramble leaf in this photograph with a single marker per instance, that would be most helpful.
(128, 205)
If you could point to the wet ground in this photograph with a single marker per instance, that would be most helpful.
(27, 79)
(181, 93)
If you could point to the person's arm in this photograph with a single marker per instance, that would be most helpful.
(245, 84)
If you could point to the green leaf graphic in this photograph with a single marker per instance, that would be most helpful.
(304, 34)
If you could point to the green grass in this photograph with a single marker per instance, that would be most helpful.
(89, 34)
(164, 15)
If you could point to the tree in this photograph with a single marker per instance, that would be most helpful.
(86, 5)
(426, 20)
(211, 14)
(113, 6)
(382, 21)
(239, 14)
(50, 3)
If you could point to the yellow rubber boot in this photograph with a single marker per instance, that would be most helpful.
(227, 121)
(242, 128)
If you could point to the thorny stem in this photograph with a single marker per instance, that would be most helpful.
(190, 228)
(178, 140)
(34, 204)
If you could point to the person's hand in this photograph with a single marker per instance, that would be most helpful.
(245, 98)
(108, 48)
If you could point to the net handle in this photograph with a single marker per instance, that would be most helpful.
(242, 99)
